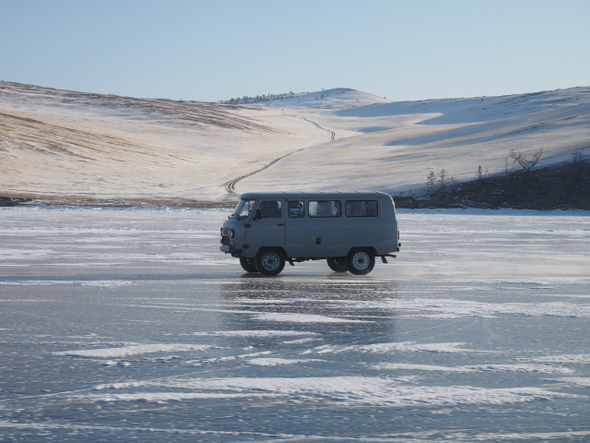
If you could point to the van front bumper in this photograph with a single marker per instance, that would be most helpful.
(228, 247)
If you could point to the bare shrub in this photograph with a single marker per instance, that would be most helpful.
(522, 159)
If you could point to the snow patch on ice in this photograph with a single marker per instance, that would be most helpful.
(299, 341)
(303, 318)
(246, 301)
(348, 390)
(277, 361)
(227, 359)
(543, 283)
(254, 333)
(96, 283)
(578, 381)
(47, 426)
(565, 358)
(134, 350)
(462, 308)
(162, 397)
(384, 348)
(415, 367)
(542, 369)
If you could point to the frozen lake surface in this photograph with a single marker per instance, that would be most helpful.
(120, 325)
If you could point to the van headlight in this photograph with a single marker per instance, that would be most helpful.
(228, 232)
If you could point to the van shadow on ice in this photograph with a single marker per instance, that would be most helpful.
(349, 230)
(335, 308)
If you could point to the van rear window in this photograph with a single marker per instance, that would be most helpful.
(325, 208)
(361, 208)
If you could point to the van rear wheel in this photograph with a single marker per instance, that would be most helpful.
(360, 261)
(338, 264)
(270, 261)
(248, 264)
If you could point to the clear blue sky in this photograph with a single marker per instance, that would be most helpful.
(219, 49)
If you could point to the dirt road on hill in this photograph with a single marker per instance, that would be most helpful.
(230, 185)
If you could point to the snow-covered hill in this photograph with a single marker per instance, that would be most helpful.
(71, 147)
(394, 146)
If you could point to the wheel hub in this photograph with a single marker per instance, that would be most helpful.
(270, 261)
(360, 261)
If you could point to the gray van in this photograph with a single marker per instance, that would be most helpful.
(348, 229)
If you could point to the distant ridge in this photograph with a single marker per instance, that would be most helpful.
(336, 98)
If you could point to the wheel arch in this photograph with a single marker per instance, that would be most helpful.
(274, 248)
(371, 249)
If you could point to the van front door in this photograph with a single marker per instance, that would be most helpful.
(267, 227)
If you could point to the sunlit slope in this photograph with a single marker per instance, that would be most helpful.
(70, 147)
(394, 146)
(73, 147)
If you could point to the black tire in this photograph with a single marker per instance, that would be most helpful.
(248, 264)
(337, 264)
(270, 261)
(360, 261)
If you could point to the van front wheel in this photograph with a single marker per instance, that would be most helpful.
(338, 264)
(248, 264)
(270, 261)
(360, 261)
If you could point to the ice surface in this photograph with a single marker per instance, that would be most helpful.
(127, 325)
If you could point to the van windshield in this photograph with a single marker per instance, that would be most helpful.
(244, 208)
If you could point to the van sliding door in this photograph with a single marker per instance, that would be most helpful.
(325, 231)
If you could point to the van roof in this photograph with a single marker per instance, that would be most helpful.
(319, 195)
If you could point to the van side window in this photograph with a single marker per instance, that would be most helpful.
(296, 209)
(361, 208)
(325, 208)
(270, 209)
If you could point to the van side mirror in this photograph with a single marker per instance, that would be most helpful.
(257, 215)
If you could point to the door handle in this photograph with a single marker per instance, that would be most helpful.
(280, 224)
